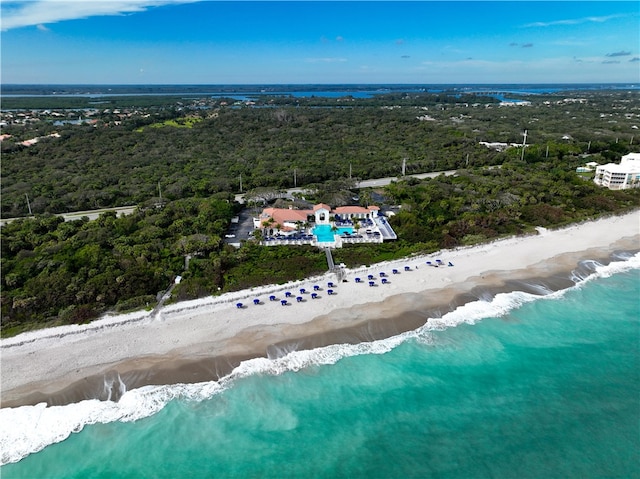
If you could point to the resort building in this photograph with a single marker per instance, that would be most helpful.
(620, 176)
(323, 226)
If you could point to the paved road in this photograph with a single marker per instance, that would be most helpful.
(127, 210)
(369, 183)
(91, 214)
(386, 181)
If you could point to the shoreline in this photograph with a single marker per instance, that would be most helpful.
(204, 340)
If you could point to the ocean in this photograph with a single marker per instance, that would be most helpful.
(513, 386)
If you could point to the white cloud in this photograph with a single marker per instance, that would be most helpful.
(574, 21)
(39, 12)
(545, 70)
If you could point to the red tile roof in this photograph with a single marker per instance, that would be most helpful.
(354, 209)
(284, 215)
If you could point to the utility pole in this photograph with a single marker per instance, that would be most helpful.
(295, 178)
(159, 192)
(524, 144)
(547, 154)
(349, 170)
(467, 163)
(240, 182)
(404, 166)
(28, 204)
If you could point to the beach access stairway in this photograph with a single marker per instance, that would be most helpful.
(337, 270)
(330, 263)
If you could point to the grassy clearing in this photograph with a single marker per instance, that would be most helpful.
(175, 123)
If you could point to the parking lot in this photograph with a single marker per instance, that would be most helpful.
(242, 229)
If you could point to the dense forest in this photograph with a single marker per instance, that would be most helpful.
(57, 272)
(125, 159)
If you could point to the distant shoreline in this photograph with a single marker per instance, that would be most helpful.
(203, 340)
(102, 90)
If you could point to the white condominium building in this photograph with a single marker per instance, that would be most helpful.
(620, 176)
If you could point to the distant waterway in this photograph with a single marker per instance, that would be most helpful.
(247, 92)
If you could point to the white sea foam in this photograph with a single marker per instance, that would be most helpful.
(472, 312)
(28, 429)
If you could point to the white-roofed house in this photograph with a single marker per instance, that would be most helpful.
(620, 176)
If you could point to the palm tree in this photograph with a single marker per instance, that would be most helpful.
(365, 198)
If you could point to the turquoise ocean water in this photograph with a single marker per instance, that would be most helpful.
(515, 387)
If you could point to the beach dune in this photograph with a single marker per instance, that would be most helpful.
(205, 339)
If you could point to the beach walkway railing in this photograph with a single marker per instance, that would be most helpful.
(330, 263)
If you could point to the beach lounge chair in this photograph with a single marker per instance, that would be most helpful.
(450, 263)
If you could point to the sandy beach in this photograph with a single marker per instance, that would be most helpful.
(205, 339)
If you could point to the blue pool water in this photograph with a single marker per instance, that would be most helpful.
(325, 235)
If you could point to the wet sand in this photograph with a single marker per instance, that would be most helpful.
(205, 339)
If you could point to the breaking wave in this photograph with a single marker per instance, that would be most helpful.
(29, 429)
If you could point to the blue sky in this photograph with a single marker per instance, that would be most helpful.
(245, 42)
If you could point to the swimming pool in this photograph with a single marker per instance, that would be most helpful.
(325, 235)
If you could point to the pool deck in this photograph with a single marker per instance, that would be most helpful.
(375, 231)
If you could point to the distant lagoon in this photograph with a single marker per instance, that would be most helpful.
(252, 92)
